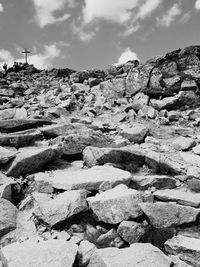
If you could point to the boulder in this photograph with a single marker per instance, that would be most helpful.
(183, 143)
(8, 217)
(116, 205)
(163, 215)
(48, 253)
(62, 207)
(135, 134)
(181, 197)
(96, 178)
(186, 248)
(30, 161)
(6, 155)
(113, 89)
(137, 255)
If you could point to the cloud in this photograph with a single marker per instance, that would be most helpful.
(40, 60)
(169, 17)
(185, 18)
(147, 8)
(1, 7)
(197, 4)
(118, 11)
(45, 10)
(83, 33)
(131, 29)
(126, 56)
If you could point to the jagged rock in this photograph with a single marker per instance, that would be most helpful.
(48, 253)
(163, 215)
(96, 178)
(113, 89)
(6, 155)
(186, 248)
(116, 205)
(137, 254)
(20, 139)
(183, 143)
(177, 262)
(166, 103)
(14, 125)
(85, 251)
(174, 115)
(6, 92)
(98, 156)
(131, 231)
(8, 216)
(185, 198)
(62, 207)
(139, 100)
(7, 114)
(30, 161)
(135, 134)
(110, 239)
(142, 182)
(189, 85)
(196, 149)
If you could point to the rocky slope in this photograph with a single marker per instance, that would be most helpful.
(101, 167)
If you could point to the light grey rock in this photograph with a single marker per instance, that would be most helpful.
(137, 255)
(196, 149)
(163, 215)
(48, 253)
(183, 143)
(116, 205)
(135, 134)
(184, 198)
(6, 155)
(186, 248)
(113, 89)
(85, 251)
(62, 207)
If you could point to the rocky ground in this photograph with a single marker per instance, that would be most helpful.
(102, 167)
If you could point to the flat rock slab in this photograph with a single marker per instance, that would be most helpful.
(143, 182)
(137, 255)
(183, 143)
(8, 216)
(99, 177)
(62, 207)
(135, 134)
(14, 125)
(20, 139)
(50, 253)
(163, 215)
(184, 198)
(6, 155)
(31, 161)
(116, 205)
(186, 248)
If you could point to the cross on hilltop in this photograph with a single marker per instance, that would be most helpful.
(26, 52)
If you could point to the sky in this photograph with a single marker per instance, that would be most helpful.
(86, 34)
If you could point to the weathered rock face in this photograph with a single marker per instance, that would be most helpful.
(44, 253)
(116, 205)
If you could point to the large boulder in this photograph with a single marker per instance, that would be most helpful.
(113, 89)
(135, 133)
(48, 253)
(62, 207)
(116, 205)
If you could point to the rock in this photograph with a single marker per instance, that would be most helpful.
(196, 150)
(174, 115)
(98, 156)
(189, 85)
(48, 253)
(142, 182)
(131, 231)
(135, 134)
(62, 207)
(96, 178)
(14, 125)
(183, 143)
(110, 239)
(113, 89)
(163, 215)
(116, 205)
(85, 251)
(7, 114)
(8, 216)
(177, 262)
(193, 184)
(181, 197)
(141, 255)
(139, 100)
(6, 155)
(6, 92)
(186, 248)
(30, 161)
(165, 103)
(20, 139)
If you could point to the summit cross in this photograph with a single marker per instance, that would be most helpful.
(26, 52)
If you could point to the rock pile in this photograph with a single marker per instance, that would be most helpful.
(102, 167)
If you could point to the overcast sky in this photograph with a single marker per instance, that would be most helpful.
(83, 34)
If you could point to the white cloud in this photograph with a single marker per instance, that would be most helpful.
(197, 4)
(40, 60)
(147, 8)
(45, 11)
(84, 35)
(131, 29)
(126, 56)
(169, 17)
(1, 7)
(113, 10)
(185, 18)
